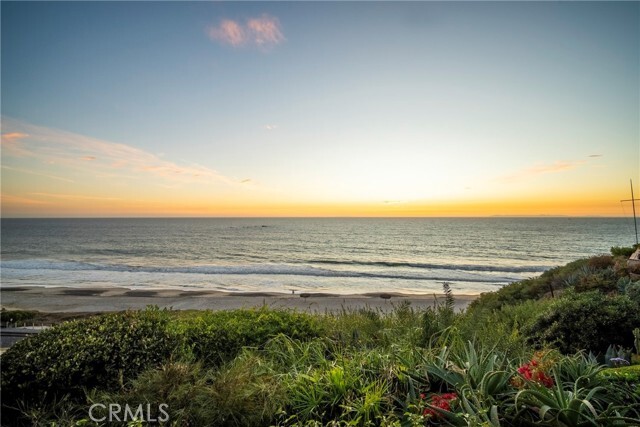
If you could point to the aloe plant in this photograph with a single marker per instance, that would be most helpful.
(581, 369)
(572, 407)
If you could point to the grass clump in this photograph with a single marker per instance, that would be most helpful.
(215, 337)
(244, 392)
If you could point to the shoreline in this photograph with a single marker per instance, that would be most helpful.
(101, 299)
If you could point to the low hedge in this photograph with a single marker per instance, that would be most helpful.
(624, 374)
(102, 351)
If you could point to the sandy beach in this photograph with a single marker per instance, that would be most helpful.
(95, 299)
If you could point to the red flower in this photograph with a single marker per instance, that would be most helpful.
(440, 401)
(533, 372)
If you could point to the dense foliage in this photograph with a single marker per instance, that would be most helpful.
(216, 337)
(100, 351)
(623, 251)
(519, 356)
(590, 321)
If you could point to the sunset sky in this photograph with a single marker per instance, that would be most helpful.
(319, 109)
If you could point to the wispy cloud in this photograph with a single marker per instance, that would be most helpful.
(79, 152)
(12, 145)
(595, 155)
(263, 32)
(73, 196)
(30, 172)
(270, 127)
(540, 169)
(11, 199)
(13, 135)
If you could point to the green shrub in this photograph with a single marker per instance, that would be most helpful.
(353, 389)
(436, 321)
(100, 351)
(184, 387)
(622, 251)
(374, 328)
(624, 381)
(633, 292)
(587, 321)
(624, 374)
(512, 293)
(547, 283)
(215, 337)
(356, 327)
(504, 329)
(603, 280)
(600, 262)
(16, 315)
(244, 392)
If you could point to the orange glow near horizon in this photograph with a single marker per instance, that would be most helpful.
(18, 207)
(53, 173)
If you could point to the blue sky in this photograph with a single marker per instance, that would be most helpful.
(327, 104)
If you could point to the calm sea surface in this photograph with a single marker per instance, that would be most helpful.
(280, 255)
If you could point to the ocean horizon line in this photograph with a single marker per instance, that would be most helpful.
(326, 217)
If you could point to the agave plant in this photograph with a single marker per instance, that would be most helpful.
(579, 369)
(486, 372)
(575, 407)
(478, 410)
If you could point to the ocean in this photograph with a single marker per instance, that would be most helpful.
(335, 255)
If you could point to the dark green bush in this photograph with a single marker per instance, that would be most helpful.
(102, 351)
(513, 293)
(16, 315)
(633, 291)
(214, 337)
(587, 321)
(600, 261)
(622, 251)
(603, 280)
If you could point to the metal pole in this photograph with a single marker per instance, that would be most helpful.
(633, 203)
